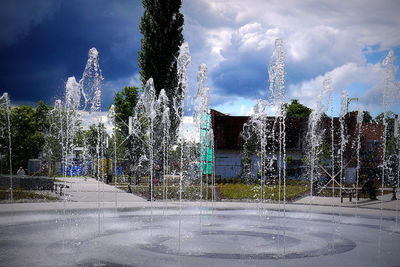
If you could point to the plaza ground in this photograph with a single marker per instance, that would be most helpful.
(99, 225)
(89, 194)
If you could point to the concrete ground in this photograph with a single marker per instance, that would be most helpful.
(99, 225)
(90, 194)
(386, 203)
(17, 208)
(90, 190)
(199, 234)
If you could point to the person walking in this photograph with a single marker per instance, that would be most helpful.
(370, 188)
(21, 171)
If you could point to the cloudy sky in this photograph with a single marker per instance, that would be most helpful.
(44, 42)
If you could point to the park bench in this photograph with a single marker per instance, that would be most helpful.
(172, 179)
(58, 188)
(351, 192)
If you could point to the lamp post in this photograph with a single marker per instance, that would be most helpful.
(348, 102)
(396, 136)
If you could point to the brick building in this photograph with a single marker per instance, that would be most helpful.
(229, 143)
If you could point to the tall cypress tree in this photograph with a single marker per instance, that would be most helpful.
(161, 26)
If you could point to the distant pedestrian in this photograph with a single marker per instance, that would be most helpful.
(109, 179)
(369, 187)
(129, 183)
(138, 180)
(21, 171)
(315, 188)
(129, 188)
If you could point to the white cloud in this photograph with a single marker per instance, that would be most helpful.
(90, 118)
(323, 45)
(235, 39)
(236, 106)
(369, 75)
(217, 40)
(189, 130)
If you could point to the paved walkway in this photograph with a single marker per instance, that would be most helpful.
(386, 202)
(84, 194)
(90, 190)
(37, 208)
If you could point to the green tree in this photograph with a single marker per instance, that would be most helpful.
(41, 117)
(367, 118)
(91, 135)
(124, 103)
(129, 146)
(380, 116)
(390, 124)
(27, 134)
(50, 126)
(161, 26)
(297, 110)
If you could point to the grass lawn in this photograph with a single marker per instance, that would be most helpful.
(188, 192)
(191, 192)
(252, 191)
(25, 195)
(294, 190)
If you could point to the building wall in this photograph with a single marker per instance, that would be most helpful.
(229, 144)
(228, 163)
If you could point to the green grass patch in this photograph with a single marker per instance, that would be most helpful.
(225, 191)
(253, 191)
(25, 194)
(191, 192)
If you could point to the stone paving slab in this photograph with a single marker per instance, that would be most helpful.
(90, 190)
(205, 206)
(89, 193)
(232, 236)
(386, 202)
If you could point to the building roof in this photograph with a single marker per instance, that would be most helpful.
(228, 131)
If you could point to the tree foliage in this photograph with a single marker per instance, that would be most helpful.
(389, 117)
(367, 118)
(124, 103)
(161, 26)
(297, 110)
(27, 134)
(129, 147)
(91, 137)
(391, 141)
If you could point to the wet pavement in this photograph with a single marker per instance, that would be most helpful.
(197, 236)
(90, 190)
(385, 202)
(98, 225)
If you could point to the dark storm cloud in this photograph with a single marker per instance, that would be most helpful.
(244, 75)
(19, 16)
(44, 43)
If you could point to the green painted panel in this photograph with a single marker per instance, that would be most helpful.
(206, 153)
